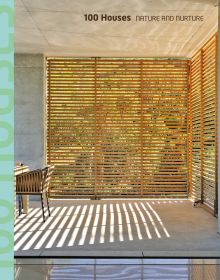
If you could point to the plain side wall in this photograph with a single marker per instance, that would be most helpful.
(29, 109)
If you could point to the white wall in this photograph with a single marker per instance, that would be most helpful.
(29, 109)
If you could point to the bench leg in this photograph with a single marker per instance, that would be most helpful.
(19, 205)
(48, 206)
(42, 205)
(22, 204)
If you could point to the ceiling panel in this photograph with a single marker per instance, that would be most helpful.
(59, 27)
(118, 5)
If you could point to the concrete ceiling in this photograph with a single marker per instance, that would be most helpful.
(57, 27)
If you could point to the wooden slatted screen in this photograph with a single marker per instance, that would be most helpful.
(204, 123)
(196, 86)
(117, 127)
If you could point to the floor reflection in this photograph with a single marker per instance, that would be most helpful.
(112, 269)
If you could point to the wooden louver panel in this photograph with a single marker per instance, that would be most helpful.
(209, 120)
(204, 123)
(196, 87)
(117, 127)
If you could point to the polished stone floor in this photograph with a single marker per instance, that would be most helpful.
(120, 269)
(117, 228)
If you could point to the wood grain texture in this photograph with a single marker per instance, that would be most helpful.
(204, 73)
(117, 127)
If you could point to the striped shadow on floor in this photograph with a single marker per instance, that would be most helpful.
(79, 225)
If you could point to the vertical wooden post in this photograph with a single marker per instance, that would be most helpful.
(142, 131)
(202, 126)
(95, 128)
(189, 133)
(216, 126)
